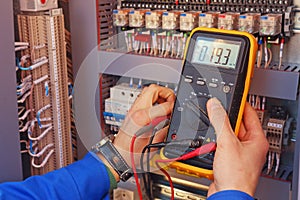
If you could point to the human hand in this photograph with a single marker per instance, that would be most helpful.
(238, 160)
(154, 101)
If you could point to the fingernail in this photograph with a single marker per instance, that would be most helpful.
(214, 103)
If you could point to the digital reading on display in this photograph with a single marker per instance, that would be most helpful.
(216, 52)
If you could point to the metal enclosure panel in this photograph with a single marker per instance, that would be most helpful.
(83, 24)
(146, 67)
(10, 165)
(272, 189)
(296, 177)
(276, 84)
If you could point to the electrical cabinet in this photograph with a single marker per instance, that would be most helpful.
(98, 70)
(10, 147)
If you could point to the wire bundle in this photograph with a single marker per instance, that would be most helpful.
(204, 149)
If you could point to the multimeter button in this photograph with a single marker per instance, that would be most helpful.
(180, 109)
(214, 85)
(226, 89)
(201, 82)
(188, 80)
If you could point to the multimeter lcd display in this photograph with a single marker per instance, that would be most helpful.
(216, 52)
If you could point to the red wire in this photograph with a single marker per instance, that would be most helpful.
(134, 168)
(204, 149)
(169, 179)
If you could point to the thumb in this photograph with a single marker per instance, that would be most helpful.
(211, 189)
(218, 117)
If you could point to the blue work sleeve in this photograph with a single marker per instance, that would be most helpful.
(84, 179)
(230, 195)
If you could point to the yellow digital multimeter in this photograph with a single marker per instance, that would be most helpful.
(217, 63)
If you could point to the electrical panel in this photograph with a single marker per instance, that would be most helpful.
(140, 46)
(43, 91)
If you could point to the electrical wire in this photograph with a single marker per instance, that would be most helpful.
(25, 128)
(47, 89)
(20, 110)
(25, 115)
(204, 149)
(40, 136)
(22, 100)
(44, 161)
(157, 124)
(145, 174)
(21, 44)
(270, 57)
(34, 154)
(168, 177)
(21, 48)
(34, 66)
(26, 145)
(268, 53)
(259, 53)
(281, 53)
(39, 114)
(42, 79)
(24, 89)
(134, 167)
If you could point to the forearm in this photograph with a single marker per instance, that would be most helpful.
(230, 195)
(85, 179)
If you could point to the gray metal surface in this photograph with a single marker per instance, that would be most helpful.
(275, 84)
(146, 67)
(83, 27)
(84, 30)
(10, 156)
(296, 177)
(268, 189)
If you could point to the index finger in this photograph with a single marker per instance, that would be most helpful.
(151, 96)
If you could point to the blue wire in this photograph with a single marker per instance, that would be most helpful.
(22, 68)
(30, 142)
(31, 149)
(71, 89)
(47, 91)
(38, 119)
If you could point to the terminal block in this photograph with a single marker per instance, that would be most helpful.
(270, 24)
(120, 17)
(154, 19)
(170, 20)
(229, 21)
(188, 20)
(209, 19)
(275, 129)
(137, 18)
(249, 22)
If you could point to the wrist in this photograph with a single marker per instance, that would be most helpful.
(112, 158)
(109, 167)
